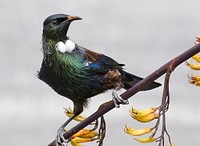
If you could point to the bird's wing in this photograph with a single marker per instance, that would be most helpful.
(100, 63)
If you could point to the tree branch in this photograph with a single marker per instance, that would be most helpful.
(107, 106)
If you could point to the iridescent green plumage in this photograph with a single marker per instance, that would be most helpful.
(62, 71)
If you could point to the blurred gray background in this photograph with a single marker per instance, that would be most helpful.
(143, 34)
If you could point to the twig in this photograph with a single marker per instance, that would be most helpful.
(163, 109)
(106, 107)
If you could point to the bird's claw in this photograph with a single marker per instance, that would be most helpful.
(118, 100)
(60, 140)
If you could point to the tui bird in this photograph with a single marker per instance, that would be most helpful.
(78, 73)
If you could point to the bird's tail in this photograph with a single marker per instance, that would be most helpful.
(130, 80)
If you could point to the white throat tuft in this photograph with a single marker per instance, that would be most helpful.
(68, 46)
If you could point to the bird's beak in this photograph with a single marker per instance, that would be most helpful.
(72, 18)
(63, 28)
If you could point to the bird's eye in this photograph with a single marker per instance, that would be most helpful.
(54, 21)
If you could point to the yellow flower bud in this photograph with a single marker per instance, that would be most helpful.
(82, 136)
(136, 132)
(197, 83)
(78, 118)
(193, 66)
(81, 133)
(74, 143)
(81, 140)
(145, 119)
(196, 57)
(142, 113)
(92, 134)
(193, 77)
(171, 144)
(194, 80)
(145, 140)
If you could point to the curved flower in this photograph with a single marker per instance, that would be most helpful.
(145, 140)
(77, 140)
(193, 66)
(145, 115)
(82, 136)
(136, 132)
(81, 133)
(92, 135)
(194, 80)
(81, 140)
(196, 57)
(147, 118)
(142, 113)
(69, 113)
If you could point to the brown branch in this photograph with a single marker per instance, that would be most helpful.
(106, 107)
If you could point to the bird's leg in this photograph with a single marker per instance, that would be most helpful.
(60, 140)
(102, 131)
(117, 99)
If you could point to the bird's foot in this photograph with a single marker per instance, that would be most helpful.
(60, 140)
(117, 99)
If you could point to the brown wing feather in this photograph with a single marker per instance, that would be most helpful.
(91, 55)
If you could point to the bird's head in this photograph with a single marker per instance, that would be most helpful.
(55, 26)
